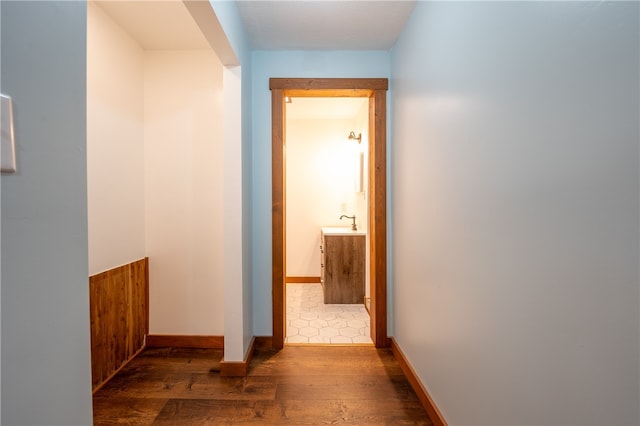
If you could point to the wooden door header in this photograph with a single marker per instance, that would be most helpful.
(328, 87)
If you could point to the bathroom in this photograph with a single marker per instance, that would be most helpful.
(326, 175)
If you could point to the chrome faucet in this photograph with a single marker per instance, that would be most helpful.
(353, 225)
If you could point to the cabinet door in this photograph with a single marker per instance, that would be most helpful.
(344, 268)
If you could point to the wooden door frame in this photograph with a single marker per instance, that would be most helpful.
(376, 90)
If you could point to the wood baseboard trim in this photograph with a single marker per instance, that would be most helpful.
(429, 405)
(264, 342)
(112, 375)
(184, 341)
(238, 368)
(303, 280)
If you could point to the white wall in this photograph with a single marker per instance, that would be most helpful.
(155, 172)
(46, 371)
(234, 314)
(266, 64)
(115, 144)
(320, 187)
(516, 194)
(184, 191)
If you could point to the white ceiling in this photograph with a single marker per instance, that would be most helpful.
(156, 24)
(270, 24)
(275, 25)
(324, 24)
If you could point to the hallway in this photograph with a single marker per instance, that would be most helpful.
(297, 385)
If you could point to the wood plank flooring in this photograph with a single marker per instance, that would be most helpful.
(299, 385)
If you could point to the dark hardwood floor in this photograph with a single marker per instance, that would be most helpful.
(299, 385)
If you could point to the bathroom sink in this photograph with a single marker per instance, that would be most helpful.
(341, 230)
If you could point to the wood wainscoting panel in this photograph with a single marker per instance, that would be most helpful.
(119, 312)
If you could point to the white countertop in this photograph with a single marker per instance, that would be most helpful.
(339, 230)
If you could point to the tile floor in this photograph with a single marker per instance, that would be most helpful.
(309, 320)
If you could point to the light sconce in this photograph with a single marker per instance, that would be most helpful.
(353, 137)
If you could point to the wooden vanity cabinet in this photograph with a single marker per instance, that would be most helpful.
(342, 268)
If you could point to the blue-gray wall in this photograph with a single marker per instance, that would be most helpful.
(516, 209)
(46, 371)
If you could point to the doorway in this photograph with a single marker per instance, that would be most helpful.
(326, 174)
(375, 91)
